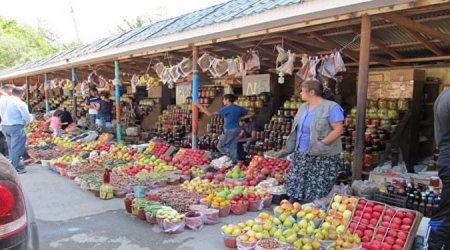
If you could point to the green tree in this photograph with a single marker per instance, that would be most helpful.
(22, 43)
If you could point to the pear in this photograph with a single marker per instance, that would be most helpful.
(272, 232)
(266, 234)
(307, 247)
(298, 244)
(276, 221)
(310, 230)
(282, 238)
(278, 233)
(291, 239)
(288, 232)
(315, 244)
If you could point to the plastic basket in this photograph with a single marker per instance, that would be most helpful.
(245, 245)
(259, 247)
(255, 206)
(229, 241)
(223, 211)
(150, 218)
(239, 209)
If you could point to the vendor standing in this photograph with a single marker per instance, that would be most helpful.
(232, 113)
(439, 225)
(104, 116)
(247, 137)
(314, 144)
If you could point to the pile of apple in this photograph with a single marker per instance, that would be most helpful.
(262, 168)
(286, 207)
(191, 157)
(159, 149)
(311, 213)
(393, 231)
(231, 229)
(340, 212)
(236, 172)
(367, 216)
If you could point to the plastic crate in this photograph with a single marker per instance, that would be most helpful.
(391, 199)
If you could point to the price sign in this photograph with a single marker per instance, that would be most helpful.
(255, 84)
(183, 91)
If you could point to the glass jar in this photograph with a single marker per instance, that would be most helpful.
(393, 104)
(373, 104)
(403, 104)
(382, 104)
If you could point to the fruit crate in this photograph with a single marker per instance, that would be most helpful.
(391, 199)
(409, 242)
(331, 214)
(367, 216)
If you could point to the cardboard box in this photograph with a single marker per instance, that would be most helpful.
(256, 84)
(155, 92)
(401, 75)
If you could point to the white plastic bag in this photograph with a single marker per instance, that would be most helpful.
(159, 68)
(220, 67)
(303, 72)
(233, 67)
(205, 62)
(328, 67)
(174, 73)
(253, 62)
(339, 64)
(288, 66)
(185, 67)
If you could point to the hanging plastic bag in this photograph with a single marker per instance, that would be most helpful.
(282, 56)
(328, 68)
(312, 72)
(220, 67)
(205, 62)
(165, 76)
(185, 67)
(159, 68)
(303, 72)
(339, 64)
(288, 66)
(252, 61)
(233, 66)
(174, 73)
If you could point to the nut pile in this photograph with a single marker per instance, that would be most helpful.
(268, 244)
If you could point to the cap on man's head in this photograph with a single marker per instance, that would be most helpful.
(7, 86)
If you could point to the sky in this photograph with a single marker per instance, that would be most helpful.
(95, 18)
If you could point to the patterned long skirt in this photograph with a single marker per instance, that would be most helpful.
(312, 177)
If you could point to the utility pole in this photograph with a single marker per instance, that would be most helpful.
(75, 23)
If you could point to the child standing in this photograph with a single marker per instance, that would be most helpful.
(55, 123)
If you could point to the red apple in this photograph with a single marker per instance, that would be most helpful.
(382, 230)
(359, 233)
(367, 216)
(359, 207)
(397, 221)
(400, 242)
(389, 212)
(407, 221)
(368, 210)
(376, 215)
(365, 239)
(411, 215)
(397, 247)
(387, 218)
(395, 226)
(378, 208)
(400, 215)
(373, 222)
(379, 237)
(386, 246)
(392, 233)
(389, 240)
(358, 213)
(385, 224)
(405, 227)
(402, 235)
(370, 204)
(350, 207)
(368, 233)
(365, 221)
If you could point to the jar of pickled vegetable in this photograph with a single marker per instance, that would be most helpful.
(403, 104)
(382, 104)
(393, 104)
(373, 104)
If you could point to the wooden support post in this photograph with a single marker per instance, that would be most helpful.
(74, 98)
(117, 93)
(195, 82)
(27, 92)
(46, 88)
(363, 78)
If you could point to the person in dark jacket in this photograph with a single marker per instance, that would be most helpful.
(439, 225)
(104, 116)
(66, 119)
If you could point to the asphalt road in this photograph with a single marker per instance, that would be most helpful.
(70, 218)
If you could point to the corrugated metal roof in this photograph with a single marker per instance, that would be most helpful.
(216, 14)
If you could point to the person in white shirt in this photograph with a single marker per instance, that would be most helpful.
(14, 114)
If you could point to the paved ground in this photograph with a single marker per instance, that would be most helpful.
(70, 218)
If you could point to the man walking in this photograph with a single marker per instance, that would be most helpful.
(439, 225)
(14, 114)
(228, 141)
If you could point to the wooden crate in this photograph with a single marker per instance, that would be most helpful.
(413, 230)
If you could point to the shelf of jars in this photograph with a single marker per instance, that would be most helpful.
(174, 124)
(382, 119)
